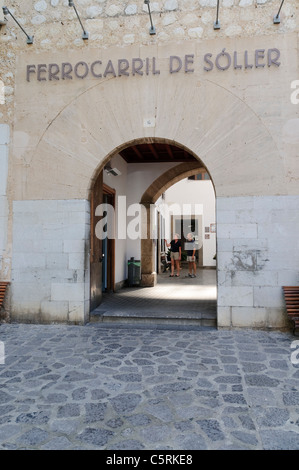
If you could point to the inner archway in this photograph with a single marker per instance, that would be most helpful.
(148, 169)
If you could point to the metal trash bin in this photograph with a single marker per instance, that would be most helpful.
(133, 272)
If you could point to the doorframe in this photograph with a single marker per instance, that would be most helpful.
(111, 242)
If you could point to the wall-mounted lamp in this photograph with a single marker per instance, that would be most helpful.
(217, 23)
(111, 171)
(7, 12)
(276, 19)
(152, 28)
(85, 33)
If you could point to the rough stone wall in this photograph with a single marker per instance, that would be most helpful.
(55, 26)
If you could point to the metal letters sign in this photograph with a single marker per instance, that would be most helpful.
(224, 60)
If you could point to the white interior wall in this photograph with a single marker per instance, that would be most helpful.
(201, 194)
(119, 183)
(131, 184)
(140, 177)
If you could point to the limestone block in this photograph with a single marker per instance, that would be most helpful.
(255, 278)
(113, 10)
(38, 19)
(93, 11)
(288, 277)
(268, 297)
(76, 260)
(56, 261)
(223, 317)
(226, 217)
(171, 5)
(40, 6)
(73, 246)
(76, 312)
(236, 231)
(52, 311)
(67, 291)
(235, 296)
(148, 280)
(26, 260)
(208, 3)
(131, 9)
(28, 293)
(249, 317)
(278, 318)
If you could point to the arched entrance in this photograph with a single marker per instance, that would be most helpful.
(150, 196)
(153, 164)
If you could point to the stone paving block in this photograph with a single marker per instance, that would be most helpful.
(111, 388)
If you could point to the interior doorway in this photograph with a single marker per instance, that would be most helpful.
(108, 243)
(102, 248)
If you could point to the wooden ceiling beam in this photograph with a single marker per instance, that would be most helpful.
(169, 151)
(154, 151)
(137, 152)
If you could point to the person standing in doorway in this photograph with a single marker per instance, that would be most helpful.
(190, 248)
(175, 254)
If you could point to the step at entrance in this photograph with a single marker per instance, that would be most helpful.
(201, 318)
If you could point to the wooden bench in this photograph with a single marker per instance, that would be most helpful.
(3, 286)
(291, 297)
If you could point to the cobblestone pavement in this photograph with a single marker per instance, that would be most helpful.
(124, 388)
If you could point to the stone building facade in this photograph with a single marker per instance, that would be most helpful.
(68, 105)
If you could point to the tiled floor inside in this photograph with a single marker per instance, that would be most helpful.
(178, 299)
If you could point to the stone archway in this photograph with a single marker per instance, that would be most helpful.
(56, 157)
(150, 196)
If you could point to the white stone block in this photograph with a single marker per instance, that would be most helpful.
(76, 260)
(54, 311)
(255, 278)
(225, 261)
(249, 317)
(234, 203)
(73, 246)
(67, 291)
(170, 5)
(76, 312)
(236, 231)
(56, 261)
(3, 169)
(278, 318)
(28, 292)
(131, 9)
(26, 261)
(226, 217)
(225, 244)
(268, 297)
(4, 134)
(235, 296)
(288, 277)
(224, 317)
